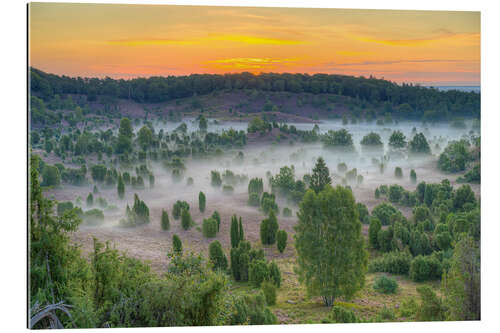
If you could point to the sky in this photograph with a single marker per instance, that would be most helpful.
(127, 41)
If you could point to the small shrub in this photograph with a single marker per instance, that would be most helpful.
(392, 262)
(408, 308)
(217, 256)
(209, 227)
(398, 172)
(282, 237)
(269, 290)
(216, 179)
(413, 176)
(342, 167)
(268, 229)
(165, 221)
(385, 285)
(339, 314)
(94, 216)
(186, 220)
(383, 212)
(176, 244)
(227, 189)
(202, 201)
(386, 314)
(254, 199)
(64, 206)
(90, 200)
(424, 268)
(431, 307)
(216, 216)
(178, 207)
(275, 274)
(258, 272)
(287, 212)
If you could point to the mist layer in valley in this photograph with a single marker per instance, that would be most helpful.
(260, 159)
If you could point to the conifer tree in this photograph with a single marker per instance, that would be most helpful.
(320, 176)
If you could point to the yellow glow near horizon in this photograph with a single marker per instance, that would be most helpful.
(125, 41)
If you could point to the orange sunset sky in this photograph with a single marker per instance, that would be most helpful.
(126, 41)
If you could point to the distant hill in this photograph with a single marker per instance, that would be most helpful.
(314, 97)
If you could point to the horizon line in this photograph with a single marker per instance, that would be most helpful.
(147, 76)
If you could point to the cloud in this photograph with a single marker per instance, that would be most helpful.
(254, 40)
(392, 62)
(251, 63)
(444, 35)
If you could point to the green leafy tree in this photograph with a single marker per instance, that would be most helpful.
(320, 176)
(202, 201)
(340, 140)
(332, 260)
(217, 256)
(56, 267)
(268, 229)
(462, 282)
(419, 144)
(372, 140)
(397, 140)
(165, 221)
(455, 156)
(145, 137)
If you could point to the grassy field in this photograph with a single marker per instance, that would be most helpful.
(294, 306)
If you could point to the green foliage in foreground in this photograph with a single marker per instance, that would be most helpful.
(340, 314)
(269, 290)
(331, 259)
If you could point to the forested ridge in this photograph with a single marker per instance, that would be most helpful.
(406, 100)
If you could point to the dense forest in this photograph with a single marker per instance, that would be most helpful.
(405, 101)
